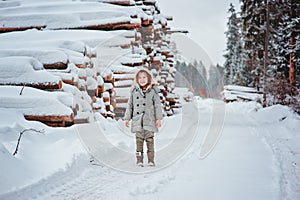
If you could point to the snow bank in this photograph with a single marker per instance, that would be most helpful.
(256, 157)
(279, 126)
(266, 115)
(40, 154)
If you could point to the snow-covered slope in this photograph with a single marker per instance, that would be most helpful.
(39, 154)
(255, 158)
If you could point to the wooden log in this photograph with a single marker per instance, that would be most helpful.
(169, 56)
(82, 65)
(171, 100)
(10, 29)
(229, 100)
(54, 124)
(127, 26)
(107, 106)
(121, 100)
(146, 22)
(70, 82)
(42, 86)
(121, 3)
(99, 91)
(134, 64)
(149, 3)
(112, 26)
(104, 115)
(169, 18)
(109, 78)
(106, 99)
(155, 65)
(124, 76)
(125, 46)
(108, 27)
(111, 115)
(176, 106)
(91, 93)
(59, 65)
(81, 120)
(52, 120)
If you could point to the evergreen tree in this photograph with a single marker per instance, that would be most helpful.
(284, 51)
(253, 21)
(271, 42)
(234, 65)
(231, 35)
(295, 42)
(193, 78)
(201, 68)
(215, 81)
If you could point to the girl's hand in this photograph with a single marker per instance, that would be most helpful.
(127, 123)
(158, 123)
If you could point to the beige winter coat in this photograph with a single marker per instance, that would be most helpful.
(144, 108)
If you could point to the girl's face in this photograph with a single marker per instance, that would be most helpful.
(142, 79)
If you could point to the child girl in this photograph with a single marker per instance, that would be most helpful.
(145, 111)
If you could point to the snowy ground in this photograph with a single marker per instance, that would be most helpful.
(256, 157)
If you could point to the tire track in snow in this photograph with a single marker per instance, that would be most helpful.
(110, 155)
(80, 181)
(278, 142)
(89, 182)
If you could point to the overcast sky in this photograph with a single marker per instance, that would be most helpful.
(204, 19)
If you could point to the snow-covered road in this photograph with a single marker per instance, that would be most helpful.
(241, 166)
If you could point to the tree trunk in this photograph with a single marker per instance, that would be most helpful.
(292, 66)
(292, 47)
(266, 56)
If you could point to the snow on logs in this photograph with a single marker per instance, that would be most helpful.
(70, 15)
(27, 67)
(233, 93)
(51, 108)
(51, 59)
(97, 76)
(85, 77)
(27, 71)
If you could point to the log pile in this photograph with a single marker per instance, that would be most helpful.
(233, 93)
(155, 40)
(78, 16)
(96, 67)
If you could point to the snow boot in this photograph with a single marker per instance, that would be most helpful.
(151, 159)
(139, 159)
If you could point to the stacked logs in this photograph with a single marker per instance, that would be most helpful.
(104, 88)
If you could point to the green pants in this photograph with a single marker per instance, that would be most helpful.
(141, 136)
